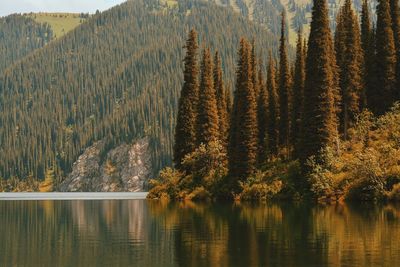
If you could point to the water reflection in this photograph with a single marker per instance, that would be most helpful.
(141, 233)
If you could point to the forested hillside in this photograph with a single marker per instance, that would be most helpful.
(19, 36)
(265, 12)
(117, 76)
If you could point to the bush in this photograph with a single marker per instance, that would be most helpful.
(207, 165)
(261, 186)
(320, 179)
(366, 165)
(205, 170)
(14, 184)
(167, 185)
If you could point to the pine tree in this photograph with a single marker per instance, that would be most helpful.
(319, 124)
(349, 60)
(262, 116)
(228, 99)
(221, 99)
(368, 47)
(395, 16)
(255, 69)
(385, 58)
(284, 91)
(185, 131)
(298, 92)
(242, 150)
(273, 108)
(208, 127)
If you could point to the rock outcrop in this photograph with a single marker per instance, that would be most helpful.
(125, 168)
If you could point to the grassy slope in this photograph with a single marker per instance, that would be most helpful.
(61, 23)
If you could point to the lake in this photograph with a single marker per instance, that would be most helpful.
(154, 233)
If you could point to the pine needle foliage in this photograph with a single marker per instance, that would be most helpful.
(208, 127)
(349, 59)
(320, 124)
(185, 130)
(242, 150)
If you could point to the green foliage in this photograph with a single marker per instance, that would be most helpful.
(385, 59)
(207, 164)
(259, 191)
(320, 179)
(320, 124)
(48, 184)
(298, 93)
(366, 165)
(167, 185)
(13, 184)
(222, 100)
(349, 59)
(205, 171)
(368, 49)
(208, 125)
(185, 130)
(285, 93)
(273, 108)
(242, 150)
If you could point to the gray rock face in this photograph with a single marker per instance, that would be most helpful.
(125, 168)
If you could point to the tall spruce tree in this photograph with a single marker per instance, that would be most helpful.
(242, 150)
(208, 127)
(228, 99)
(221, 99)
(262, 116)
(368, 47)
(349, 59)
(185, 131)
(273, 108)
(298, 92)
(395, 15)
(255, 69)
(320, 123)
(284, 91)
(385, 58)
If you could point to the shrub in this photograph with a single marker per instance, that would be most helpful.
(260, 186)
(207, 164)
(14, 184)
(364, 166)
(205, 170)
(320, 179)
(167, 185)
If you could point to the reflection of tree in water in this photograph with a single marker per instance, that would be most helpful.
(282, 235)
(153, 233)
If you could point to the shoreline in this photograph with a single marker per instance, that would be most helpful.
(74, 196)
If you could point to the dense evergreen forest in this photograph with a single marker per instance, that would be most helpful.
(326, 126)
(115, 77)
(19, 36)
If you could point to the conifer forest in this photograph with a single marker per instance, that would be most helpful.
(322, 124)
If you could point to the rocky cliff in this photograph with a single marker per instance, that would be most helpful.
(125, 168)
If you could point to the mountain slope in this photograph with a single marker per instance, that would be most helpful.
(116, 77)
(265, 12)
(19, 36)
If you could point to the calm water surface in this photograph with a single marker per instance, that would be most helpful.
(142, 233)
